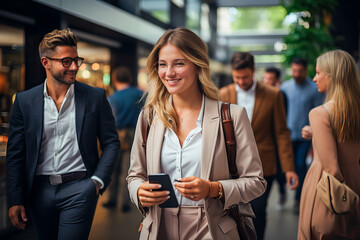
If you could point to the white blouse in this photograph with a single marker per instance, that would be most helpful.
(183, 161)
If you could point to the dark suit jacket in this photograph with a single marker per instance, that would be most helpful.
(94, 121)
(269, 125)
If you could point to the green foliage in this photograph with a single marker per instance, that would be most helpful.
(311, 41)
(312, 6)
(308, 44)
(259, 18)
(161, 15)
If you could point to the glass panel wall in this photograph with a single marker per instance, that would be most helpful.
(259, 30)
(251, 20)
(11, 81)
(193, 15)
(159, 9)
(95, 71)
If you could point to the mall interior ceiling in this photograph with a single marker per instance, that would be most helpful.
(127, 29)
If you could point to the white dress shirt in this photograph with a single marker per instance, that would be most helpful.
(183, 161)
(246, 98)
(59, 151)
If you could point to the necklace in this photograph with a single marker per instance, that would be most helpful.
(182, 118)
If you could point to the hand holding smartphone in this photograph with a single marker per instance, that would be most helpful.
(164, 180)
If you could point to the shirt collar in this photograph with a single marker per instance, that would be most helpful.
(249, 91)
(201, 114)
(69, 93)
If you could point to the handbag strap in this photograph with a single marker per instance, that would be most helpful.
(327, 109)
(145, 127)
(230, 141)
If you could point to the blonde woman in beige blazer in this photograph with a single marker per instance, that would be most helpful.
(181, 97)
(336, 144)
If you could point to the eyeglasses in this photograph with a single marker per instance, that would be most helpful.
(66, 62)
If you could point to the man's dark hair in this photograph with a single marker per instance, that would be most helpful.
(122, 74)
(241, 60)
(300, 61)
(56, 38)
(274, 70)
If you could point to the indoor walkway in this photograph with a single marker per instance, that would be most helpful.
(112, 224)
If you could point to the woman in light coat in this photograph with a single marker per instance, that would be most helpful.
(186, 141)
(335, 130)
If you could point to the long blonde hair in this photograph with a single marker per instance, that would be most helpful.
(157, 97)
(344, 90)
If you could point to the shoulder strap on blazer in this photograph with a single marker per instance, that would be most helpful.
(145, 127)
(230, 141)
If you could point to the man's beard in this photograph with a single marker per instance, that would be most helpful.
(60, 77)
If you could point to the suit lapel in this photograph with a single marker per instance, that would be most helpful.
(80, 105)
(210, 130)
(39, 115)
(259, 99)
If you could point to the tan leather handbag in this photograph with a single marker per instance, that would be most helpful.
(336, 195)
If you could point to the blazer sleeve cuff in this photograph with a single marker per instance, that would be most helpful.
(99, 180)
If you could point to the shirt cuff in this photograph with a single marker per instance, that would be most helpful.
(99, 180)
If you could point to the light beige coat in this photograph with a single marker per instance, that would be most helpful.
(342, 160)
(214, 166)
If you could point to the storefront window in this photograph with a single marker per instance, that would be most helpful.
(95, 71)
(11, 82)
(142, 77)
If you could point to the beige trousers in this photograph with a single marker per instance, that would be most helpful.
(184, 223)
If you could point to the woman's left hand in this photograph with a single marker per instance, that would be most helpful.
(306, 132)
(193, 188)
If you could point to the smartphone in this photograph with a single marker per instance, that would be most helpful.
(164, 180)
(292, 182)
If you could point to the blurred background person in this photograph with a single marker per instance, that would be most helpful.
(272, 76)
(336, 144)
(266, 112)
(126, 105)
(302, 96)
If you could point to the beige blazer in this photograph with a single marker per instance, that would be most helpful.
(269, 125)
(214, 166)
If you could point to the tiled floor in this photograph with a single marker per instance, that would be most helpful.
(113, 224)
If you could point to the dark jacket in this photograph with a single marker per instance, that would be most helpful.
(94, 120)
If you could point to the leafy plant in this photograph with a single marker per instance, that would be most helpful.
(309, 36)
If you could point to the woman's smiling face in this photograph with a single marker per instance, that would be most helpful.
(178, 74)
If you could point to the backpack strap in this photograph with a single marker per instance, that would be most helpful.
(230, 140)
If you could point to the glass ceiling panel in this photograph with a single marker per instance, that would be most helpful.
(159, 9)
(263, 20)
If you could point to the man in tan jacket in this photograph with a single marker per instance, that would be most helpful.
(266, 112)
